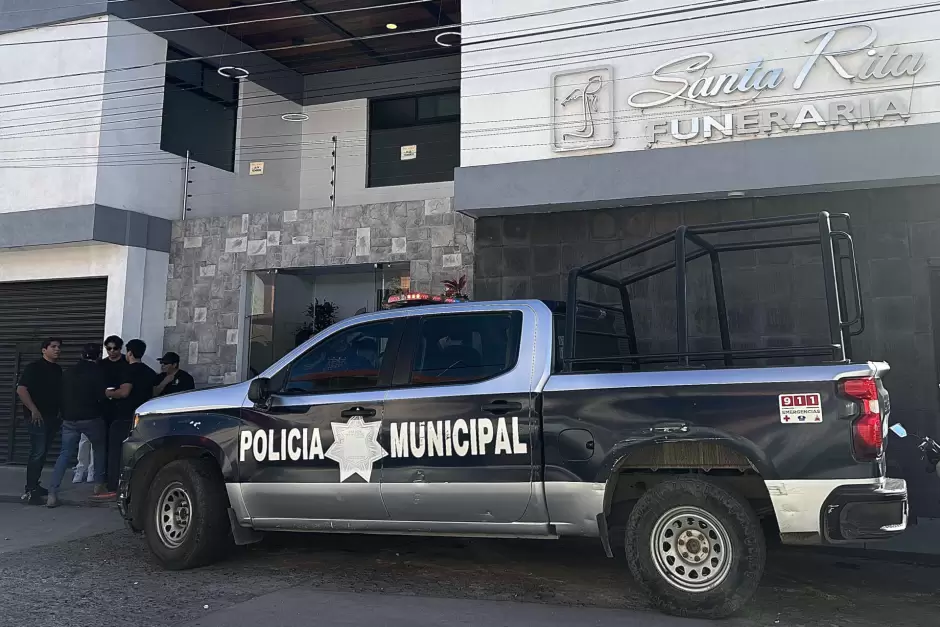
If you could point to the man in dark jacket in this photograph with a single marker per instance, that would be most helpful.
(83, 395)
(40, 390)
(135, 390)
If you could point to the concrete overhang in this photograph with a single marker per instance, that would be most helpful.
(84, 224)
(818, 162)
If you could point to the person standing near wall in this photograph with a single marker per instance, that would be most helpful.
(40, 390)
(112, 368)
(82, 416)
(172, 378)
(136, 389)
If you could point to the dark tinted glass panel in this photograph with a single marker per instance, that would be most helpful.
(350, 360)
(414, 140)
(437, 153)
(204, 126)
(392, 113)
(438, 106)
(200, 113)
(466, 348)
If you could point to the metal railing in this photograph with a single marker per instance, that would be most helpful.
(690, 243)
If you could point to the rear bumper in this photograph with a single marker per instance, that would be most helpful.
(854, 512)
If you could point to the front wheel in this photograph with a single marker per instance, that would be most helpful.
(186, 522)
(696, 548)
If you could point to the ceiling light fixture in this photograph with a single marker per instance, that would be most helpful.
(735, 194)
(295, 117)
(391, 26)
(439, 36)
(232, 72)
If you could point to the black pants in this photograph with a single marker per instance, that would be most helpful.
(40, 439)
(118, 431)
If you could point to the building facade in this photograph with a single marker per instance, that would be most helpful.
(168, 181)
(660, 116)
(206, 187)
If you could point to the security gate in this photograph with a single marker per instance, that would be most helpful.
(30, 311)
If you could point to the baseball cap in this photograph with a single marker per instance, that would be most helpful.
(170, 358)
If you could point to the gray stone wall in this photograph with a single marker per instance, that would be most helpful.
(775, 297)
(209, 258)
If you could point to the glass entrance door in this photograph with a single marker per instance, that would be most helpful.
(391, 279)
(260, 321)
(280, 303)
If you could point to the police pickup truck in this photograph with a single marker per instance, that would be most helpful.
(528, 419)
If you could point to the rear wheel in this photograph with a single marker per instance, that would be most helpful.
(696, 548)
(186, 517)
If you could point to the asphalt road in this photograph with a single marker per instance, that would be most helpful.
(75, 566)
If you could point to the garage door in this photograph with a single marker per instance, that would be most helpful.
(30, 312)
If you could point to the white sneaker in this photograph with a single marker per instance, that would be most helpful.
(79, 476)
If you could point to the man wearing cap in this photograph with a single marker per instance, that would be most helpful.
(171, 379)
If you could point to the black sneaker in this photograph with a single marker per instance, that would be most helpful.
(41, 491)
(35, 498)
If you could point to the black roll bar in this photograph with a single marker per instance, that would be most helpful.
(689, 243)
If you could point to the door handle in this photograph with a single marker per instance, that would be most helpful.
(501, 408)
(365, 412)
(671, 427)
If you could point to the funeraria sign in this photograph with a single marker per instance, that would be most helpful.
(689, 79)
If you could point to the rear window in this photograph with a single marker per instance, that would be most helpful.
(466, 348)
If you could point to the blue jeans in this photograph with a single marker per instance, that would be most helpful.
(40, 438)
(72, 431)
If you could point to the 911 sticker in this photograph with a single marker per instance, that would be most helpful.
(800, 408)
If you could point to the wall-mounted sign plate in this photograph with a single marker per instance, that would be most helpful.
(409, 152)
(256, 168)
(583, 109)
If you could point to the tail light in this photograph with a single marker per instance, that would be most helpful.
(868, 428)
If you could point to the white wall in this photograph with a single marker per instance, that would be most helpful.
(507, 101)
(48, 119)
(262, 136)
(133, 173)
(349, 122)
(136, 283)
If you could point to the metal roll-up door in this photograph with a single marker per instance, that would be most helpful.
(72, 310)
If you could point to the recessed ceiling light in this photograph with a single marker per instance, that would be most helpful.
(295, 117)
(735, 194)
(232, 72)
(391, 26)
(439, 39)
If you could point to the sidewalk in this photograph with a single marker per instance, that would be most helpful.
(13, 480)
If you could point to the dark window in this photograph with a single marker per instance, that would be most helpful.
(348, 361)
(200, 112)
(430, 123)
(466, 348)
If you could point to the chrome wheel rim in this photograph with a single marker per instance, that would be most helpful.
(691, 549)
(174, 515)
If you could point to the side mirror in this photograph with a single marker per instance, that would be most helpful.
(259, 391)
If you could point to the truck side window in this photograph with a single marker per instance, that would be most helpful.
(466, 348)
(349, 361)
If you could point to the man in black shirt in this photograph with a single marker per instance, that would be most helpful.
(112, 368)
(113, 364)
(83, 396)
(135, 390)
(40, 390)
(172, 379)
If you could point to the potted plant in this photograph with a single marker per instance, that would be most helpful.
(322, 315)
(456, 288)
